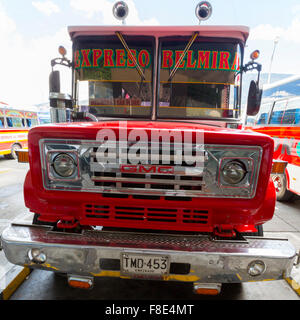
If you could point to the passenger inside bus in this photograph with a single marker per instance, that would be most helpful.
(1, 122)
(263, 119)
(292, 112)
(284, 112)
(297, 116)
(31, 123)
(14, 122)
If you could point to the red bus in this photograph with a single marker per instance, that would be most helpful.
(119, 196)
(14, 127)
(279, 117)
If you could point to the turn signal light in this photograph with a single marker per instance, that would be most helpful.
(279, 167)
(80, 282)
(23, 156)
(62, 50)
(207, 292)
(255, 55)
(208, 289)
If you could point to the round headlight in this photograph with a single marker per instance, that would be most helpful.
(234, 172)
(64, 165)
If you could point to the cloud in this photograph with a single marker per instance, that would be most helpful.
(92, 8)
(47, 7)
(296, 9)
(285, 59)
(7, 25)
(25, 63)
(268, 32)
(265, 32)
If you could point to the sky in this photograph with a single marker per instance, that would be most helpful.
(32, 30)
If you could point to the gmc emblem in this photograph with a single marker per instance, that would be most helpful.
(146, 169)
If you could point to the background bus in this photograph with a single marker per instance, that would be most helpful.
(279, 117)
(14, 127)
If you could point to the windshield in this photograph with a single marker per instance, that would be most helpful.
(108, 82)
(114, 77)
(206, 84)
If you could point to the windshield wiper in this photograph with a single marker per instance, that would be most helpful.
(192, 40)
(138, 68)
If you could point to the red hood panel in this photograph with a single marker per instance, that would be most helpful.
(238, 212)
(212, 135)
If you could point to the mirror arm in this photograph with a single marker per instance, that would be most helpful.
(258, 77)
(62, 61)
(252, 66)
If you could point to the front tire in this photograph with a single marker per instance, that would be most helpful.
(13, 154)
(280, 183)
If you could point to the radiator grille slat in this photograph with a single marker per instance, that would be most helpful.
(148, 215)
(160, 174)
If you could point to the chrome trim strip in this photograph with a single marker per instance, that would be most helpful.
(150, 181)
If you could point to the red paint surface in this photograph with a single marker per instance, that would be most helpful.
(240, 213)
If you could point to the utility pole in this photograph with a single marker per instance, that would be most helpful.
(270, 71)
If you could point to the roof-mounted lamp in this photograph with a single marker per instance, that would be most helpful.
(120, 11)
(203, 11)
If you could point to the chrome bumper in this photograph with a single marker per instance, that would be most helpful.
(208, 261)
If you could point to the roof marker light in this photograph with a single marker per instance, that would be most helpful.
(203, 11)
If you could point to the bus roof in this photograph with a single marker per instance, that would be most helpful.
(281, 82)
(282, 89)
(234, 32)
(14, 112)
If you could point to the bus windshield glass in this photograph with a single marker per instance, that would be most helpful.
(109, 83)
(206, 82)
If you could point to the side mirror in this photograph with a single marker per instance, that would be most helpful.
(61, 105)
(54, 82)
(255, 94)
(254, 99)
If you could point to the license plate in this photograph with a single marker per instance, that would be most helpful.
(136, 264)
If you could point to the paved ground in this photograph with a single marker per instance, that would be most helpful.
(12, 207)
(43, 285)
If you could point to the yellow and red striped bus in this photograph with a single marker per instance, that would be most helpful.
(279, 117)
(14, 127)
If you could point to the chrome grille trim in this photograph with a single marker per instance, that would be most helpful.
(147, 181)
(185, 180)
(178, 170)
